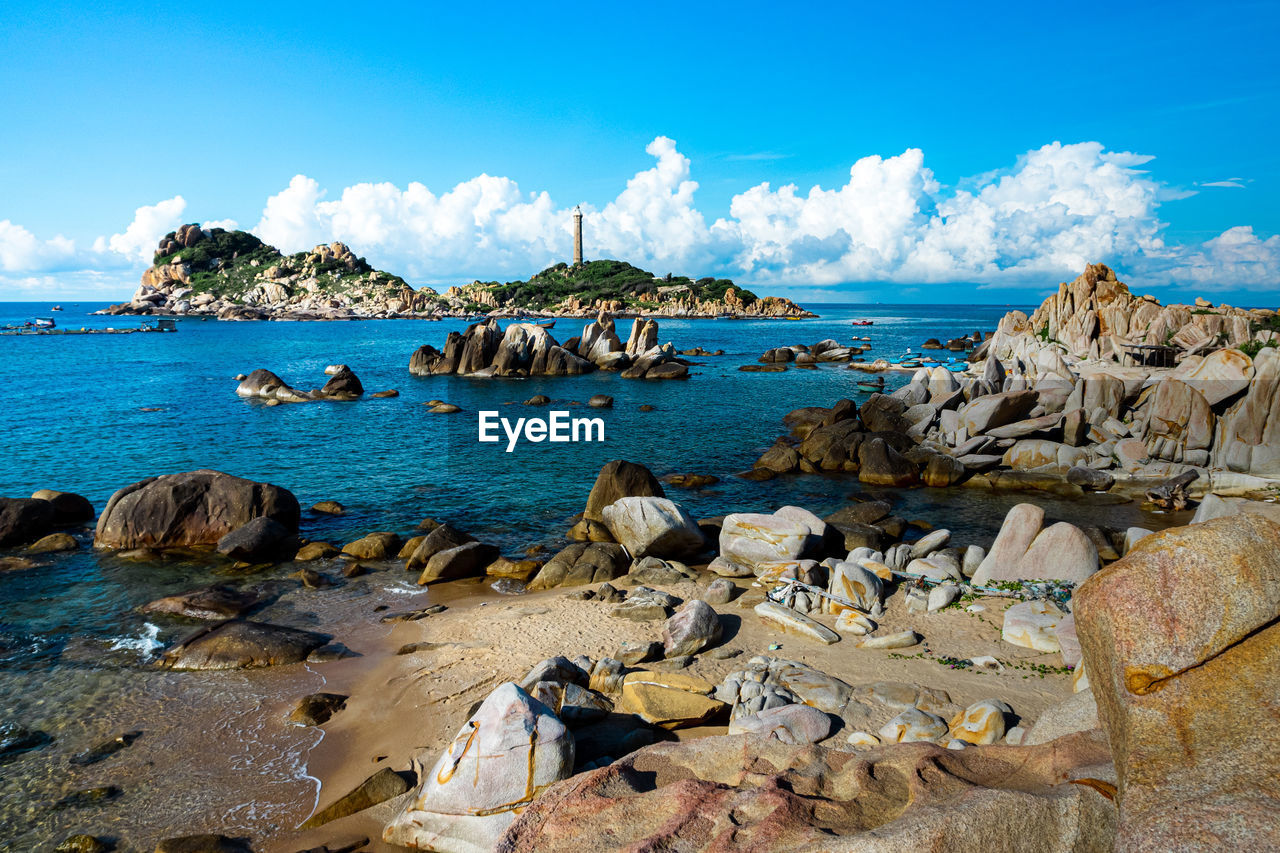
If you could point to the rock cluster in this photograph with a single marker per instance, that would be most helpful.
(233, 275)
(1038, 421)
(342, 386)
(524, 349)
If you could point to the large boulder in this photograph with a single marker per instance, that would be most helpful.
(241, 644)
(261, 383)
(648, 526)
(750, 539)
(508, 753)
(442, 538)
(756, 792)
(582, 563)
(344, 383)
(1182, 646)
(1025, 551)
(260, 539)
(464, 561)
(24, 520)
(68, 507)
(881, 465)
(1249, 436)
(694, 627)
(196, 508)
(996, 410)
(620, 479)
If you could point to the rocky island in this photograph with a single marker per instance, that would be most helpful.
(232, 275)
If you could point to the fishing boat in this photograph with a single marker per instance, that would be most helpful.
(864, 322)
(56, 308)
(546, 324)
(871, 386)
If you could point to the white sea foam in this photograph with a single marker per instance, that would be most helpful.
(404, 590)
(146, 645)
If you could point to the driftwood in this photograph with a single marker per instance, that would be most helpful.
(1172, 494)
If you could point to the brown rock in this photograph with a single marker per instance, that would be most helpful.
(53, 543)
(316, 708)
(239, 644)
(742, 792)
(620, 479)
(1182, 648)
(375, 546)
(196, 508)
(384, 785)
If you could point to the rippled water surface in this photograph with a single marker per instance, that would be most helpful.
(94, 413)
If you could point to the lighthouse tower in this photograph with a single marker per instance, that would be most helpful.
(577, 236)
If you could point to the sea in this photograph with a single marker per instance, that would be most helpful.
(94, 413)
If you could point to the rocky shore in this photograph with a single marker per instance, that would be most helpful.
(1071, 415)
(232, 275)
(761, 680)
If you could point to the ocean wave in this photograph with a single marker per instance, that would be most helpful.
(146, 644)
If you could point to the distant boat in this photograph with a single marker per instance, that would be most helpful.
(546, 324)
(56, 308)
(864, 322)
(43, 323)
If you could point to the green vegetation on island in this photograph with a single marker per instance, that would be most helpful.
(606, 280)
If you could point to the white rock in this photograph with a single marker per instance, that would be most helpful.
(981, 723)
(793, 724)
(657, 527)
(851, 581)
(795, 622)
(1133, 536)
(750, 538)
(913, 725)
(853, 622)
(863, 739)
(900, 640)
(930, 542)
(942, 595)
(511, 750)
(1033, 625)
(1212, 506)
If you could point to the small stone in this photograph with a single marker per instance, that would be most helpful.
(316, 708)
(900, 640)
(981, 723)
(634, 653)
(913, 725)
(329, 508)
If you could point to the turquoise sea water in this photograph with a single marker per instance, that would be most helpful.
(94, 413)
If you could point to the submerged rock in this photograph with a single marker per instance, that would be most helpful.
(213, 602)
(241, 644)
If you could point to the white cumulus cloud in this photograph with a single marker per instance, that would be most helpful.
(1038, 221)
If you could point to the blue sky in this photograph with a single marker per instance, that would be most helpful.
(120, 124)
